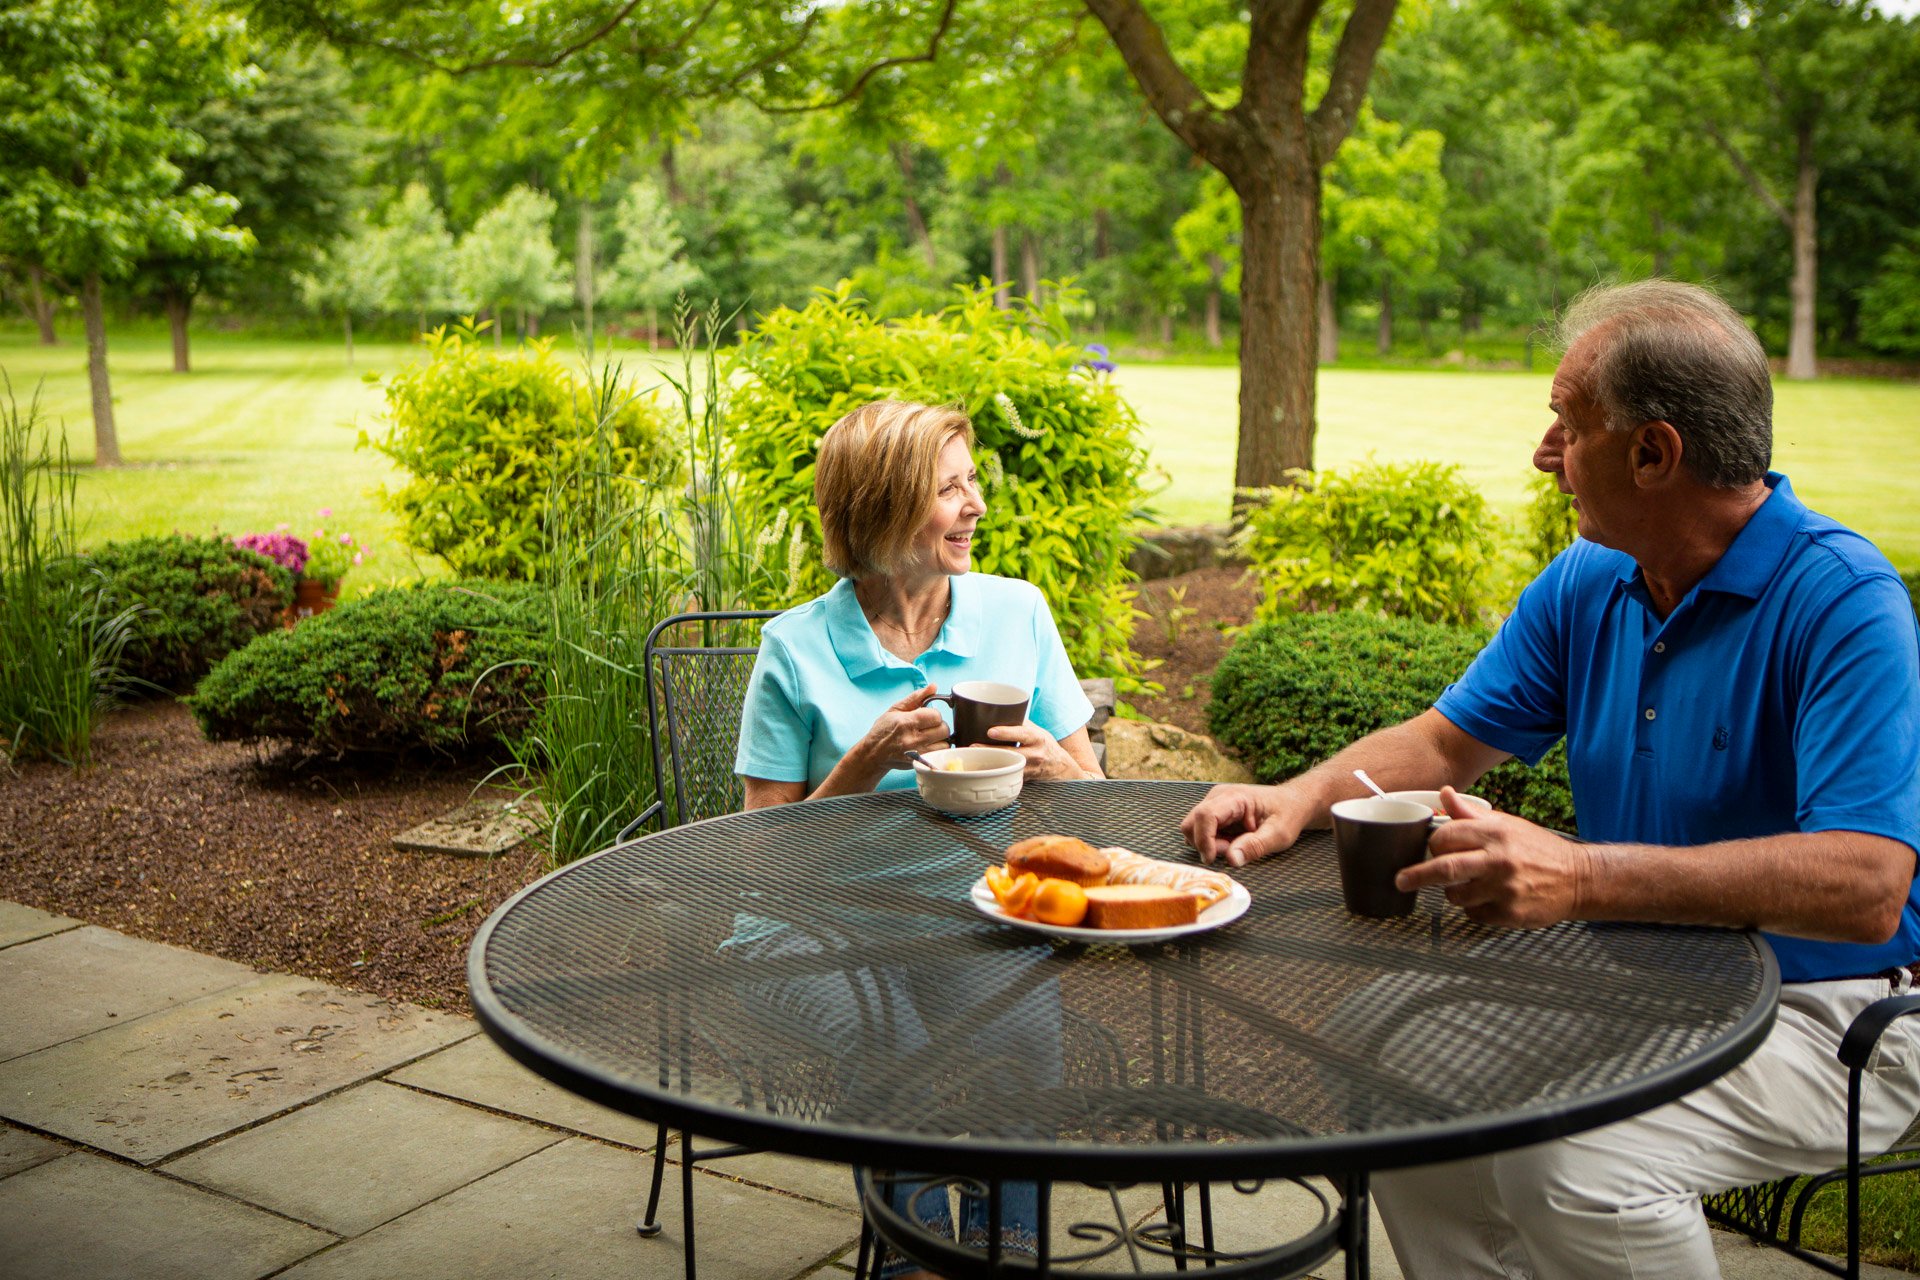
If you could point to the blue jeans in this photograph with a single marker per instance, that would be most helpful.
(874, 1016)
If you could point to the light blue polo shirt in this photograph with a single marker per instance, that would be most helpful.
(1782, 694)
(822, 678)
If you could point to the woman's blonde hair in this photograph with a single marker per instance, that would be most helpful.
(876, 480)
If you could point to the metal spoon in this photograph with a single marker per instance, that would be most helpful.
(1371, 784)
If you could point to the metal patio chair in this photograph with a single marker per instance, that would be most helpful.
(696, 671)
(1772, 1213)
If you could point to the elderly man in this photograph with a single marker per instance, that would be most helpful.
(1738, 682)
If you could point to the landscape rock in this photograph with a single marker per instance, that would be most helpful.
(1165, 752)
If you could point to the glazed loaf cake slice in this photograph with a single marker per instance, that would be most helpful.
(1139, 906)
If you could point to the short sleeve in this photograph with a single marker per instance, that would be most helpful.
(775, 734)
(1060, 705)
(1856, 732)
(1513, 696)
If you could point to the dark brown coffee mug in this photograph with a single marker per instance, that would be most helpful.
(1375, 839)
(979, 705)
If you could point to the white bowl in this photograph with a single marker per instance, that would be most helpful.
(1431, 799)
(988, 778)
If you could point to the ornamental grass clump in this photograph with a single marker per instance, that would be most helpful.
(61, 632)
(1058, 449)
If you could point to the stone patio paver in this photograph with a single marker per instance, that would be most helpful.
(84, 1217)
(70, 983)
(360, 1158)
(205, 1068)
(21, 923)
(479, 1071)
(20, 1151)
(569, 1211)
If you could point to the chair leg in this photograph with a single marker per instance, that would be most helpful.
(686, 1196)
(1853, 1174)
(650, 1225)
(866, 1248)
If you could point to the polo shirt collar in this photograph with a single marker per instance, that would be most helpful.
(859, 649)
(1750, 562)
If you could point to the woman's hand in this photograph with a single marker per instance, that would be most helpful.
(908, 725)
(1046, 758)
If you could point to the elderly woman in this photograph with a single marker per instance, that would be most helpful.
(840, 691)
(841, 687)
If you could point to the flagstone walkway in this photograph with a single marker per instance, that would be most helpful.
(165, 1114)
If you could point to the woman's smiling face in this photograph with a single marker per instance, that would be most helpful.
(944, 544)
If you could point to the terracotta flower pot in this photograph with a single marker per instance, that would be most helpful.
(310, 598)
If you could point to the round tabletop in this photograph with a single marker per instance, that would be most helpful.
(813, 978)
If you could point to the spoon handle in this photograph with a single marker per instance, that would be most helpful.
(919, 761)
(1371, 784)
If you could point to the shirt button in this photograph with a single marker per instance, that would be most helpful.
(1649, 713)
(1660, 646)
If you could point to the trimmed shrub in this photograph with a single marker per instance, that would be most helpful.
(1550, 524)
(197, 600)
(1912, 579)
(485, 434)
(1407, 539)
(1058, 448)
(1292, 692)
(449, 667)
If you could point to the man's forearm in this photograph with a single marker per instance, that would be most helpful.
(1835, 886)
(1416, 755)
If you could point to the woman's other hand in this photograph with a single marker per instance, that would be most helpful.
(1047, 757)
(908, 725)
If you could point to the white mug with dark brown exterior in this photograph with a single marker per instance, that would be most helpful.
(979, 705)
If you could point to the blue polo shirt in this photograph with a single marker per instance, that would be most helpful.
(822, 677)
(1782, 694)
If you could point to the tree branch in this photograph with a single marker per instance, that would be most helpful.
(1273, 79)
(859, 85)
(1172, 94)
(1754, 180)
(349, 35)
(1339, 107)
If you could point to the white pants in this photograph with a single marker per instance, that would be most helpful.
(1624, 1200)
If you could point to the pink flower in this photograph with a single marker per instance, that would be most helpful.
(282, 527)
(356, 557)
(325, 512)
(346, 539)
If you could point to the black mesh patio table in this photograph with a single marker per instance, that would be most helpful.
(813, 979)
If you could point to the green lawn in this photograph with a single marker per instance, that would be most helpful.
(262, 432)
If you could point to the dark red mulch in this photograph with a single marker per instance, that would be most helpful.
(172, 838)
(1219, 598)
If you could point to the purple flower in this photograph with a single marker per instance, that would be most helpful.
(1097, 359)
(283, 549)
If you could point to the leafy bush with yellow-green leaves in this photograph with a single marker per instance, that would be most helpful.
(1058, 449)
(1405, 539)
(484, 434)
(1550, 523)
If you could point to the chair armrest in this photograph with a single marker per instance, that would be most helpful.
(652, 813)
(1858, 1044)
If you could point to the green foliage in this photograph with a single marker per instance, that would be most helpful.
(1292, 692)
(448, 667)
(1890, 306)
(1912, 580)
(1408, 539)
(648, 271)
(416, 252)
(1062, 471)
(484, 435)
(1551, 523)
(60, 640)
(196, 600)
(508, 262)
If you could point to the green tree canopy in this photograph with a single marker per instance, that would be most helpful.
(508, 262)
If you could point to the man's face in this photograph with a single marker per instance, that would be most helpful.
(1583, 456)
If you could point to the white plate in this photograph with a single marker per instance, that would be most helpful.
(1227, 910)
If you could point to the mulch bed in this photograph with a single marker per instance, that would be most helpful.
(286, 865)
(222, 849)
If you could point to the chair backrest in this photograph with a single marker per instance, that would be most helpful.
(696, 677)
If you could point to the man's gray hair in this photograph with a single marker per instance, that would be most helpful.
(1676, 353)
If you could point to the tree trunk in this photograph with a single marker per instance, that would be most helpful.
(1329, 319)
(529, 324)
(1166, 328)
(493, 314)
(1217, 269)
(1102, 234)
(346, 325)
(916, 221)
(1806, 261)
(179, 303)
(1030, 267)
(1001, 300)
(583, 270)
(1280, 257)
(106, 444)
(1384, 343)
(42, 306)
(670, 174)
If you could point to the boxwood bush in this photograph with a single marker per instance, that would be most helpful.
(1058, 448)
(196, 600)
(449, 667)
(1293, 691)
(484, 435)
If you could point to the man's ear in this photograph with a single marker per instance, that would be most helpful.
(1657, 451)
